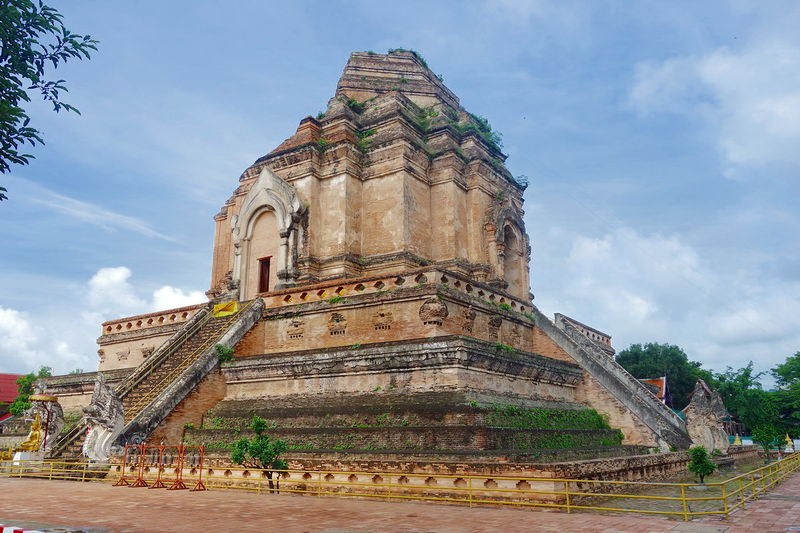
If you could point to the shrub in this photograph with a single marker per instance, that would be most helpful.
(261, 451)
(700, 463)
(224, 354)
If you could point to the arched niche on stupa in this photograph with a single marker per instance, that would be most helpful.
(266, 236)
(509, 252)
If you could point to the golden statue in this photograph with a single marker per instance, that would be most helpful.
(34, 440)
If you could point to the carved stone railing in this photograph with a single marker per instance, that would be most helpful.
(151, 320)
(179, 386)
(667, 427)
(373, 284)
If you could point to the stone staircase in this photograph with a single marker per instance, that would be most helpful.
(136, 396)
(151, 392)
(668, 428)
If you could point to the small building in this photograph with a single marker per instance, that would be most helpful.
(8, 391)
(661, 389)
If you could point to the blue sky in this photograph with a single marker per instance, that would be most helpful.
(662, 141)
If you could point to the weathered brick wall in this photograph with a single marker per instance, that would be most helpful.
(191, 410)
(419, 438)
(253, 341)
(594, 395)
(544, 345)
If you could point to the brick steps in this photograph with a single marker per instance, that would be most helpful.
(152, 377)
(161, 377)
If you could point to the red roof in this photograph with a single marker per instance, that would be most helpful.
(661, 383)
(8, 387)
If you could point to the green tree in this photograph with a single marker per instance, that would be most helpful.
(767, 436)
(33, 39)
(700, 463)
(743, 396)
(261, 451)
(654, 360)
(25, 389)
(787, 397)
(788, 372)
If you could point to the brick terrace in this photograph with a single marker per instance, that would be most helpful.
(122, 509)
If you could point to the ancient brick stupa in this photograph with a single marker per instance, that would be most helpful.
(376, 271)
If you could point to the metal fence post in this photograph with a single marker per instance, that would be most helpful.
(683, 501)
(566, 492)
(725, 501)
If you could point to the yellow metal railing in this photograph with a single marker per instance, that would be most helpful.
(47, 469)
(679, 500)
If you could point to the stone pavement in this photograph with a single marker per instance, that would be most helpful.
(99, 507)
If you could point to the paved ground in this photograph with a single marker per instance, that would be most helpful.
(99, 507)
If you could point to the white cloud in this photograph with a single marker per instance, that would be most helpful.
(634, 278)
(84, 211)
(769, 317)
(25, 345)
(110, 293)
(109, 290)
(63, 336)
(653, 288)
(97, 216)
(16, 333)
(749, 98)
(169, 297)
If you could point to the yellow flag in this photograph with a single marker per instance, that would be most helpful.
(225, 309)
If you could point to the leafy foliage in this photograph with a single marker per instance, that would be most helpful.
(261, 451)
(504, 347)
(787, 397)
(700, 463)
(481, 126)
(530, 418)
(654, 360)
(365, 139)
(425, 117)
(742, 395)
(355, 105)
(788, 372)
(224, 353)
(25, 389)
(413, 52)
(33, 39)
(767, 436)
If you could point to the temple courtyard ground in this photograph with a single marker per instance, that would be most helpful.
(99, 507)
